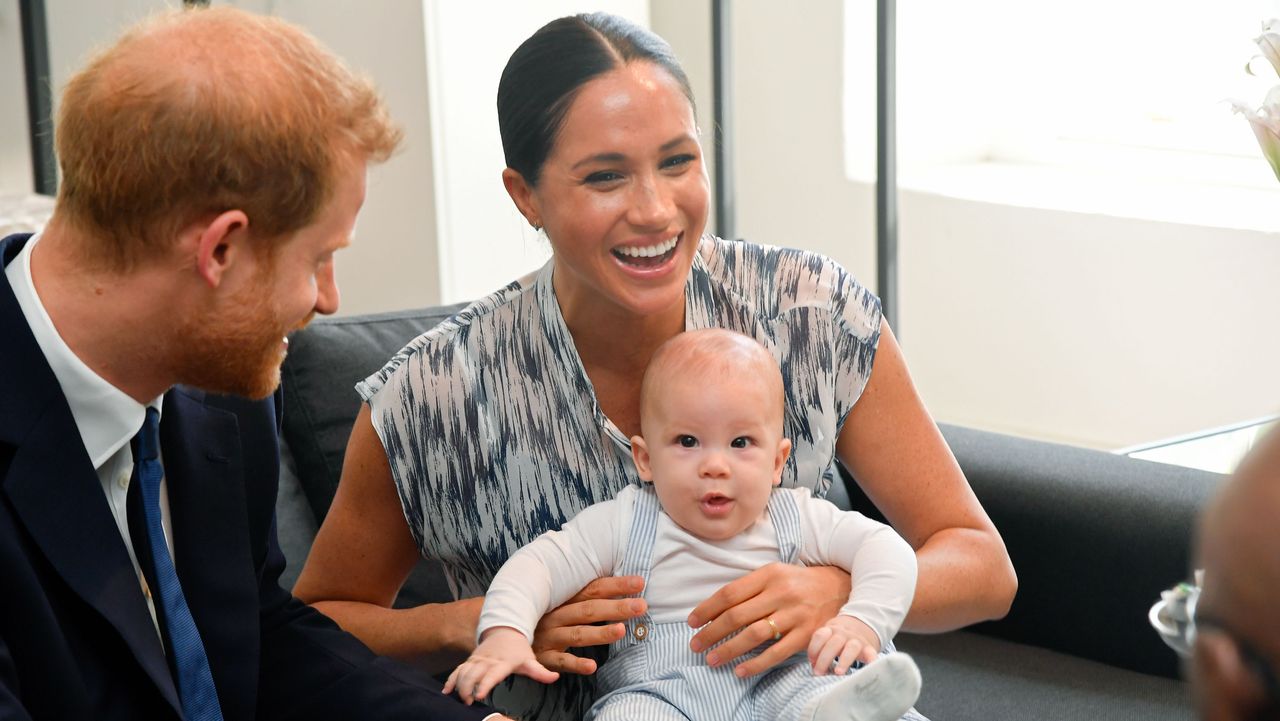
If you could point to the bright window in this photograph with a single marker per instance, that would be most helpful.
(1139, 87)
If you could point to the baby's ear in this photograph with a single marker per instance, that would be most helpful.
(780, 461)
(640, 454)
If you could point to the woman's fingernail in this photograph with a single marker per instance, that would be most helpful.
(712, 659)
(740, 672)
(637, 607)
(695, 645)
(694, 622)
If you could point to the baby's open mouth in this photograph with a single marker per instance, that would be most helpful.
(716, 504)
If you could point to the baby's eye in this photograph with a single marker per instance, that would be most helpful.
(740, 442)
(687, 441)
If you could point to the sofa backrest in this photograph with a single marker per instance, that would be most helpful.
(325, 361)
(1094, 537)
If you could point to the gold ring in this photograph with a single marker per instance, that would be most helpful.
(777, 635)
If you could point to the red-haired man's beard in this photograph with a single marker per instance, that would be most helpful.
(237, 350)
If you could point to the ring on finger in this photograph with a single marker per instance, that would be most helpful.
(777, 634)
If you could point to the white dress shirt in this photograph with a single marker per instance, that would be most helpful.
(106, 417)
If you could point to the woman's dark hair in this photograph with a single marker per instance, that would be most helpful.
(546, 72)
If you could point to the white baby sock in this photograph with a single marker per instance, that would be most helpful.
(882, 690)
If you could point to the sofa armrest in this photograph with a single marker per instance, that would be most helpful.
(1094, 538)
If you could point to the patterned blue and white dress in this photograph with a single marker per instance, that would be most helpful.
(494, 436)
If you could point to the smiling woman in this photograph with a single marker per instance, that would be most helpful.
(514, 415)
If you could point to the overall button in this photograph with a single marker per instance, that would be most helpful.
(641, 631)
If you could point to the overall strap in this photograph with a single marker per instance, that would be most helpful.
(785, 516)
(637, 559)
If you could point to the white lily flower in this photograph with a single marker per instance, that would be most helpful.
(1269, 42)
(1265, 122)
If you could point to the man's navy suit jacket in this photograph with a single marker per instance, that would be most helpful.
(76, 638)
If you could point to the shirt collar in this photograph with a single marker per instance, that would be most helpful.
(106, 416)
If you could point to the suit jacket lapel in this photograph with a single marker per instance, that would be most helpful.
(56, 493)
(204, 471)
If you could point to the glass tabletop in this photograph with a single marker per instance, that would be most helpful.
(1217, 449)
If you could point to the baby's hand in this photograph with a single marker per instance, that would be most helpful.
(501, 652)
(844, 638)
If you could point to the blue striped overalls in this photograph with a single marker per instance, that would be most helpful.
(652, 674)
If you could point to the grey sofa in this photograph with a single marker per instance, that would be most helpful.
(1094, 537)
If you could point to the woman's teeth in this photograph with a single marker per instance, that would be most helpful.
(648, 251)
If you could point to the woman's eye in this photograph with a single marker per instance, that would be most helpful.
(602, 177)
(678, 160)
(687, 441)
(740, 442)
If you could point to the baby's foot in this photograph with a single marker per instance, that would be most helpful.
(882, 690)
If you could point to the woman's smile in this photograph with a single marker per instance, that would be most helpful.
(648, 258)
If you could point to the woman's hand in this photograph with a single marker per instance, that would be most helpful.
(839, 643)
(503, 651)
(796, 599)
(576, 623)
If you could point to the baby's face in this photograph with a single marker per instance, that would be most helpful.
(713, 448)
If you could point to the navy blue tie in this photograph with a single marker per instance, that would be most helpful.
(195, 680)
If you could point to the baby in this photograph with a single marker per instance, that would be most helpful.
(711, 453)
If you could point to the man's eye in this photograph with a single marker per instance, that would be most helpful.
(740, 442)
(687, 441)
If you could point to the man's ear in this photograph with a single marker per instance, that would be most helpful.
(220, 243)
(1224, 686)
(522, 195)
(640, 454)
(780, 460)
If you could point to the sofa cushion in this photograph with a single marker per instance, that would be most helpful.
(973, 677)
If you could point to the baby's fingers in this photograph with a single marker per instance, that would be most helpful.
(827, 655)
(816, 642)
(852, 651)
(491, 677)
(537, 671)
(450, 684)
(463, 682)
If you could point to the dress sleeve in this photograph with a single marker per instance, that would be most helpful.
(881, 564)
(555, 566)
(857, 314)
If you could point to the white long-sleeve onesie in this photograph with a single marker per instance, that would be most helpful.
(686, 570)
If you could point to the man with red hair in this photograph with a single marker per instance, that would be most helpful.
(213, 162)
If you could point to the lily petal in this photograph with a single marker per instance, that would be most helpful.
(1269, 42)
